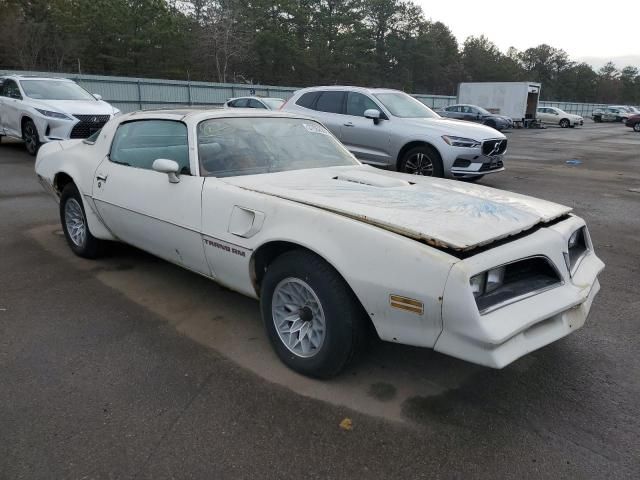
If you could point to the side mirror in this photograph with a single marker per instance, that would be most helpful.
(97, 96)
(170, 167)
(373, 114)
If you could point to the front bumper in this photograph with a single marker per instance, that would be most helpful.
(505, 334)
(466, 166)
(53, 129)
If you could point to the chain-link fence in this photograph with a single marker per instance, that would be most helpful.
(130, 94)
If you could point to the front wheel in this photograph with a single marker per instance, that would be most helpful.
(564, 123)
(636, 127)
(313, 320)
(422, 160)
(30, 137)
(75, 226)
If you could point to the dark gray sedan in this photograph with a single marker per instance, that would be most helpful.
(473, 113)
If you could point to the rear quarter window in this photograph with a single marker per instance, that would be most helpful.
(307, 100)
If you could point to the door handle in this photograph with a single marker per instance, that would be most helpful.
(102, 178)
(348, 124)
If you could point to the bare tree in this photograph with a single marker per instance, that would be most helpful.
(225, 40)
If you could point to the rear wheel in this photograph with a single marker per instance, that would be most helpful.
(564, 123)
(422, 160)
(30, 137)
(313, 320)
(74, 224)
(636, 127)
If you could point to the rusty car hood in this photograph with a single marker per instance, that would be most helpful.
(444, 213)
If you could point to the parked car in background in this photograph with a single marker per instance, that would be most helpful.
(390, 129)
(39, 110)
(610, 114)
(634, 122)
(265, 103)
(555, 116)
(327, 245)
(473, 113)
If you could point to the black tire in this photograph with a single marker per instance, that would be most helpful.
(344, 319)
(430, 164)
(490, 123)
(636, 127)
(30, 137)
(565, 123)
(89, 246)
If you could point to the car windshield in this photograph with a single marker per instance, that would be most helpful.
(482, 111)
(273, 103)
(230, 147)
(54, 90)
(405, 106)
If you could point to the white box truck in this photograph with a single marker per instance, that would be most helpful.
(517, 100)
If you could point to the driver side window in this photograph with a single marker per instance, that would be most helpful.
(139, 143)
(358, 103)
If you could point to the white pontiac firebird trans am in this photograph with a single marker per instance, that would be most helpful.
(271, 205)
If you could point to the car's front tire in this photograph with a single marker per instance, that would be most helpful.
(31, 137)
(422, 160)
(313, 320)
(565, 123)
(75, 226)
(636, 127)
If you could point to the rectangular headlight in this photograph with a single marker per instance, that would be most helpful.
(514, 281)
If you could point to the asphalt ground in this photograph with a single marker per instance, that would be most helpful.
(129, 367)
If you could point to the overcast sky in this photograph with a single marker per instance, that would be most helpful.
(596, 28)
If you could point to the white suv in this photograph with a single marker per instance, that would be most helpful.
(39, 110)
(391, 129)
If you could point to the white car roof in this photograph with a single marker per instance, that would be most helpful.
(34, 77)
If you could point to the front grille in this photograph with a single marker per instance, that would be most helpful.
(494, 147)
(88, 125)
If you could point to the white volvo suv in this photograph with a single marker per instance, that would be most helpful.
(39, 110)
(390, 129)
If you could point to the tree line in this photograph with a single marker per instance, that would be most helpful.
(387, 43)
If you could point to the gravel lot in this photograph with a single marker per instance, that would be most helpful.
(130, 367)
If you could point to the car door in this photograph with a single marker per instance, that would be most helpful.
(329, 109)
(12, 105)
(543, 115)
(140, 205)
(369, 141)
(473, 115)
(450, 112)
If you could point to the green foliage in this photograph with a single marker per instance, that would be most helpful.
(289, 42)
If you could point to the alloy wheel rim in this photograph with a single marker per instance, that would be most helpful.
(419, 164)
(74, 220)
(30, 138)
(298, 317)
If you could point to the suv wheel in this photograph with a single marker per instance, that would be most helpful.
(422, 160)
(30, 137)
